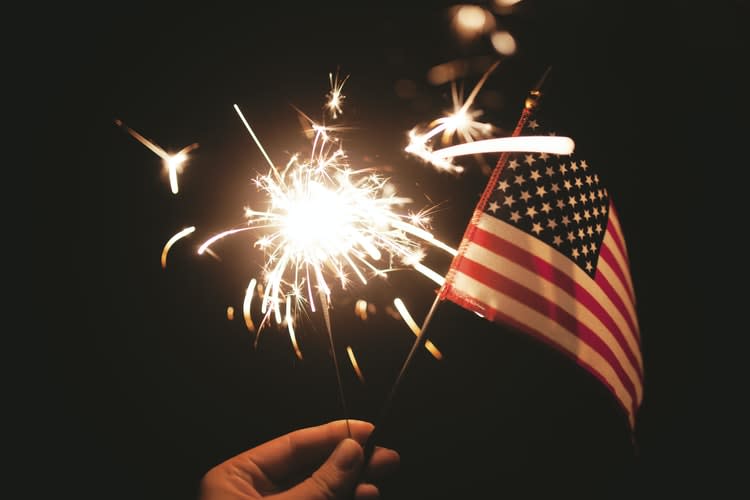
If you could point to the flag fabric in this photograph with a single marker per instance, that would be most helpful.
(545, 254)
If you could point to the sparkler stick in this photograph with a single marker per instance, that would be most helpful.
(322, 294)
(530, 103)
(327, 318)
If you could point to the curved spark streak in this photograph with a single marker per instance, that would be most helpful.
(171, 241)
(290, 326)
(355, 365)
(246, 305)
(219, 236)
(406, 316)
(531, 143)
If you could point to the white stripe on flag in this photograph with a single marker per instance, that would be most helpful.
(551, 330)
(558, 296)
(562, 263)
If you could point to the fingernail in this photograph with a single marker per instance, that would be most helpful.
(347, 454)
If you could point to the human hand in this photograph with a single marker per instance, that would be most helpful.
(314, 463)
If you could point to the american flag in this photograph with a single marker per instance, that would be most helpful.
(545, 254)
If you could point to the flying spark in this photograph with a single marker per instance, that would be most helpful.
(335, 97)
(404, 312)
(172, 241)
(355, 365)
(173, 163)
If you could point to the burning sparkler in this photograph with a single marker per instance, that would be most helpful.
(325, 221)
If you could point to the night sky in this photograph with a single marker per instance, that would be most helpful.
(151, 385)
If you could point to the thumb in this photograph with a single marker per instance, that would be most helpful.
(335, 479)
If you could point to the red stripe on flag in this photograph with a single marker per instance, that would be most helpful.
(539, 266)
(614, 225)
(615, 233)
(551, 310)
(615, 297)
(493, 314)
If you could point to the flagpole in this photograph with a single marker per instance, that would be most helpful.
(419, 342)
(529, 105)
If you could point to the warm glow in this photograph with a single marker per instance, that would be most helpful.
(506, 3)
(470, 17)
(447, 72)
(360, 309)
(503, 42)
(230, 313)
(470, 21)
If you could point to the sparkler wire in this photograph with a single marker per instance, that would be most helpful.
(322, 292)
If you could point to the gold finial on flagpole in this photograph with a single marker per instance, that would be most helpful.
(536, 93)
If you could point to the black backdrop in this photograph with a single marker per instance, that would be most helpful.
(152, 385)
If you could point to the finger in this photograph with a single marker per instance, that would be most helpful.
(335, 479)
(301, 451)
(384, 461)
(366, 491)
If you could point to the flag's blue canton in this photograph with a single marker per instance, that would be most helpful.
(556, 198)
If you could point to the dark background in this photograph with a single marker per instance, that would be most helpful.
(151, 385)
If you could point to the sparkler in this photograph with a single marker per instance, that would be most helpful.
(323, 221)
(326, 220)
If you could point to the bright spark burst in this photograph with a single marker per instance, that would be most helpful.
(326, 221)
(335, 97)
(173, 163)
(461, 122)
